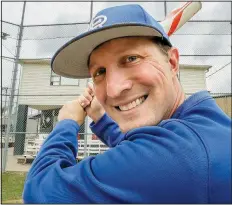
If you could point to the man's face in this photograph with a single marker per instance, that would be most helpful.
(134, 81)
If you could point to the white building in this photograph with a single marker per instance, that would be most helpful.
(43, 90)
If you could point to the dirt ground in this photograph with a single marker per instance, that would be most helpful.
(12, 164)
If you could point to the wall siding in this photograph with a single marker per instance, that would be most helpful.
(192, 80)
(35, 81)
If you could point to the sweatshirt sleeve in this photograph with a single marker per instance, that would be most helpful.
(107, 131)
(152, 165)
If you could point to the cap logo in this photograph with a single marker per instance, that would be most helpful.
(98, 22)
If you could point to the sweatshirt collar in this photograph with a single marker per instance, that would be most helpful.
(190, 102)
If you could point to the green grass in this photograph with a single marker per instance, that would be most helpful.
(12, 186)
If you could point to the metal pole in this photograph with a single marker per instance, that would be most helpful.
(165, 9)
(86, 127)
(13, 83)
(91, 10)
(86, 119)
(5, 107)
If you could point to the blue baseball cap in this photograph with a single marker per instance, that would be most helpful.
(71, 60)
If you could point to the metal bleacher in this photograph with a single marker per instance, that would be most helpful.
(32, 147)
(93, 148)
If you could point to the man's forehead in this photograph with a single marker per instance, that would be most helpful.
(123, 40)
(121, 43)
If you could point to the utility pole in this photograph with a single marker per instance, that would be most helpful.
(5, 105)
(13, 85)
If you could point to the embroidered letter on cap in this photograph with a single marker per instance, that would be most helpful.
(98, 22)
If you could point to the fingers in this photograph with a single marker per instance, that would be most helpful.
(91, 88)
(84, 102)
(87, 96)
(72, 110)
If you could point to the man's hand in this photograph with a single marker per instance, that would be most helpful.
(90, 103)
(72, 110)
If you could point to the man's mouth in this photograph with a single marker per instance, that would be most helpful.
(132, 104)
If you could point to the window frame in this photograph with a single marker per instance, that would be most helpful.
(52, 74)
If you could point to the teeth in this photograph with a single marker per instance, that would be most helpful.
(132, 104)
(124, 107)
(137, 101)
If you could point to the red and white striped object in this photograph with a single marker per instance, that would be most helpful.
(179, 16)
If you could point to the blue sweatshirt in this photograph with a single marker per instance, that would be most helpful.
(185, 159)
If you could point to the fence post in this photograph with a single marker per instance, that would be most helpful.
(20, 127)
(15, 71)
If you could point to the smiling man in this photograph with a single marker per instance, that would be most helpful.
(136, 83)
(165, 148)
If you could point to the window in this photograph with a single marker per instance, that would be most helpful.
(57, 80)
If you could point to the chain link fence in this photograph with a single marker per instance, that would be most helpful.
(204, 43)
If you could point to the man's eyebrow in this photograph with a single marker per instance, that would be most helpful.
(122, 51)
(90, 65)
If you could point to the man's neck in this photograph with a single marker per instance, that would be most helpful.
(180, 96)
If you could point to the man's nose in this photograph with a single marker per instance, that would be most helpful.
(117, 82)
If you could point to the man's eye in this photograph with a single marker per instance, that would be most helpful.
(100, 72)
(131, 58)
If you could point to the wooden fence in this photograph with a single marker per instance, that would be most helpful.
(225, 103)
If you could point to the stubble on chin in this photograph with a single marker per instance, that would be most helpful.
(130, 125)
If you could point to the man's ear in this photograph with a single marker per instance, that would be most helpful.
(173, 54)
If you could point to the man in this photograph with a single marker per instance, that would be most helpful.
(172, 150)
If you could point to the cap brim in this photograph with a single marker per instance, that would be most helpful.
(71, 59)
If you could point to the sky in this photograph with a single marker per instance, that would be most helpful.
(43, 41)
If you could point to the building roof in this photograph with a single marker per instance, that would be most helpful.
(46, 61)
